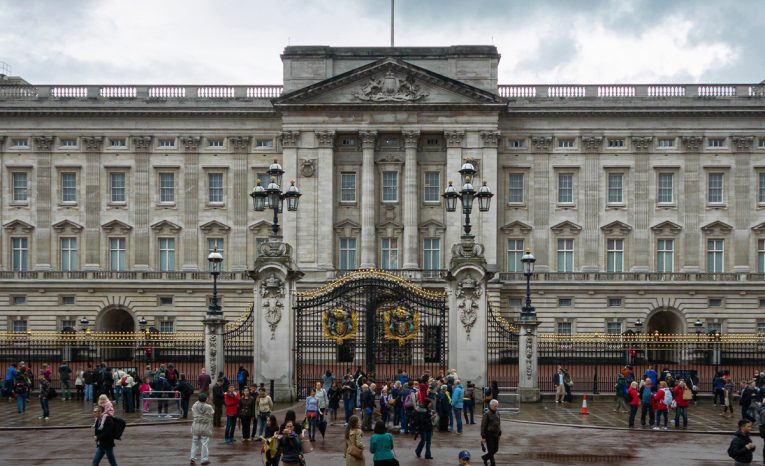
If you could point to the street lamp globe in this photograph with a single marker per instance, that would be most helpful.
(274, 193)
(638, 324)
(142, 324)
(258, 196)
(293, 197)
(467, 171)
(698, 324)
(275, 172)
(84, 323)
(484, 196)
(528, 261)
(467, 193)
(451, 195)
(215, 259)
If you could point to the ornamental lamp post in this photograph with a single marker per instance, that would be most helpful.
(215, 259)
(467, 195)
(84, 324)
(638, 326)
(142, 324)
(527, 311)
(698, 325)
(272, 197)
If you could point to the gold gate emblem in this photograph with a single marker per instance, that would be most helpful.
(401, 325)
(340, 325)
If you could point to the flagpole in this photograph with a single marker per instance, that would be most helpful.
(392, 3)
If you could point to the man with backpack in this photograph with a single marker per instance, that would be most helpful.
(65, 375)
(172, 375)
(88, 378)
(682, 396)
(621, 392)
(741, 448)
(747, 394)
(646, 403)
(108, 429)
(185, 389)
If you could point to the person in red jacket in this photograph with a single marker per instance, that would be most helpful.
(662, 400)
(633, 400)
(231, 399)
(681, 404)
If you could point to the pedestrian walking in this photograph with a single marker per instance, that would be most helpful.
(270, 450)
(726, 408)
(334, 394)
(219, 401)
(44, 396)
(491, 430)
(568, 385)
(231, 399)
(348, 395)
(559, 384)
(682, 395)
(323, 397)
(741, 448)
(186, 390)
(443, 406)
(79, 386)
(633, 400)
(264, 407)
(469, 403)
(161, 386)
(245, 411)
(354, 446)
(241, 378)
(104, 430)
(367, 401)
(381, 446)
(65, 376)
(87, 377)
(621, 391)
(204, 381)
(422, 426)
(458, 401)
(312, 414)
(21, 389)
(201, 429)
(646, 402)
(290, 445)
(747, 396)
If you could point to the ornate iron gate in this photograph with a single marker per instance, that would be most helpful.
(372, 319)
(238, 344)
(502, 350)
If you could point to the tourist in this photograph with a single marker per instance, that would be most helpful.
(621, 391)
(264, 407)
(349, 395)
(469, 403)
(633, 400)
(290, 416)
(381, 446)
(354, 446)
(231, 399)
(568, 384)
(410, 402)
(245, 411)
(117, 379)
(458, 401)
(88, 378)
(560, 385)
(682, 395)
(464, 458)
(44, 395)
(241, 378)
(104, 429)
(650, 373)
(204, 381)
(385, 408)
(145, 391)
(727, 405)
(127, 383)
(201, 429)
(186, 390)
(422, 426)
(161, 387)
(443, 406)
(491, 430)
(367, 407)
(646, 402)
(718, 387)
(321, 395)
(327, 380)
(21, 389)
(747, 396)
(334, 394)
(218, 401)
(107, 383)
(79, 386)
(741, 448)
(312, 414)
(270, 450)
(491, 393)
(662, 402)
(290, 446)
(65, 376)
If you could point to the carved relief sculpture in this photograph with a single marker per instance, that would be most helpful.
(43, 143)
(541, 143)
(390, 88)
(528, 353)
(142, 143)
(307, 167)
(213, 354)
(290, 138)
(592, 143)
(272, 293)
(692, 143)
(641, 143)
(92, 143)
(325, 138)
(454, 138)
(743, 143)
(468, 293)
(191, 143)
(490, 138)
(240, 143)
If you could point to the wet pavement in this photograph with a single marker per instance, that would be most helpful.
(522, 443)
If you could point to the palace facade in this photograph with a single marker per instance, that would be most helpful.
(640, 202)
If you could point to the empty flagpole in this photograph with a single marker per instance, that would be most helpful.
(392, 4)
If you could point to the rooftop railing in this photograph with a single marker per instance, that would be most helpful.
(621, 91)
(632, 277)
(150, 92)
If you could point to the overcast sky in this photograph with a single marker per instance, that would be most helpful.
(239, 41)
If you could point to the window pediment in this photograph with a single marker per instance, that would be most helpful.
(17, 226)
(616, 227)
(760, 228)
(116, 226)
(67, 225)
(432, 228)
(566, 227)
(166, 226)
(516, 227)
(667, 227)
(717, 228)
(215, 226)
(347, 228)
(389, 229)
(260, 228)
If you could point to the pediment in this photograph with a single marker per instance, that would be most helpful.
(616, 227)
(214, 225)
(64, 225)
(516, 227)
(432, 228)
(390, 228)
(667, 227)
(260, 227)
(166, 225)
(388, 81)
(759, 228)
(347, 228)
(18, 225)
(716, 228)
(116, 226)
(566, 227)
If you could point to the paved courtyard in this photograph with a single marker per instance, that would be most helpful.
(522, 443)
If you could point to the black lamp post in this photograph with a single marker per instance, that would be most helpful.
(638, 326)
(84, 324)
(215, 259)
(272, 197)
(698, 325)
(528, 259)
(467, 195)
(142, 324)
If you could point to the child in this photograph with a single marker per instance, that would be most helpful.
(144, 390)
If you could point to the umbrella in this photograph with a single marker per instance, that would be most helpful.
(322, 425)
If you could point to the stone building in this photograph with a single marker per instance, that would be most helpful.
(639, 201)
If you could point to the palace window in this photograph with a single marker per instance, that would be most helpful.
(19, 300)
(19, 143)
(68, 187)
(516, 143)
(761, 144)
(117, 187)
(214, 244)
(615, 142)
(715, 302)
(564, 328)
(264, 143)
(715, 188)
(165, 300)
(432, 187)
(117, 254)
(514, 254)
(347, 254)
(761, 188)
(515, 188)
(431, 254)
(389, 249)
(613, 328)
(117, 143)
(215, 188)
(665, 255)
(565, 143)
(615, 255)
(616, 188)
(348, 141)
(68, 300)
(69, 254)
(68, 142)
(167, 143)
(166, 254)
(20, 186)
(666, 143)
(166, 326)
(761, 256)
(67, 324)
(390, 186)
(19, 326)
(215, 143)
(614, 302)
(566, 188)
(515, 304)
(348, 187)
(665, 188)
(716, 142)
(715, 250)
(19, 254)
(167, 187)
(565, 255)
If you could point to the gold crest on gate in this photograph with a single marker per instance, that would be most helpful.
(340, 325)
(401, 325)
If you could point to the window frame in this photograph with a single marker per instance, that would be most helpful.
(166, 254)
(659, 188)
(613, 252)
(426, 186)
(663, 252)
(672, 143)
(20, 263)
(385, 187)
(344, 253)
(263, 147)
(566, 143)
(20, 330)
(515, 252)
(511, 188)
(218, 189)
(392, 253)
(566, 252)
(160, 188)
(162, 143)
(122, 263)
(760, 188)
(714, 254)
(72, 264)
(427, 262)
(117, 143)
(343, 190)
(622, 176)
(14, 189)
(559, 189)
(216, 143)
(723, 198)
(67, 190)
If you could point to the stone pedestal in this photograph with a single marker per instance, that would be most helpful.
(215, 326)
(275, 274)
(468, 308)
(528, 352)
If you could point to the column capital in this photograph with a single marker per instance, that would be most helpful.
(240, 143)
(541, 143)
(368, 139)
(290, 138)
(92, 143)
(454, 138)
(411, 138)
(692, 143)
(43, 143)
(325, 137)
(592, 143)
(490, 138)
(191, 143)
(742, 143)
(641, 143)
(2, 140)
(142, 143)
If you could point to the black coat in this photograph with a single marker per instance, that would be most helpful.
(218, 392)
(105, 436)
(737, 449)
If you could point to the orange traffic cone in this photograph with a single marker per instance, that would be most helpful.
(584, 404)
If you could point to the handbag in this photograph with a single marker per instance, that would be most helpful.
(356, 452)
(687, 394)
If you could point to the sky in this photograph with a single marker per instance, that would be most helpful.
(239, 41)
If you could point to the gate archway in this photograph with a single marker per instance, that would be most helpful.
(117, 320)
(369, 319)
(665, 321)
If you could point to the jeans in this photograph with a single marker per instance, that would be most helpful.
(246, 421)
(646, 409)
(469, 411)
(425, 439)
(492, 447)
(633, 412)
(117, 392)
(100, 452)
(312, 426)
(262, 418)
(659, 414)
(458, 418)
(66, 392)
(403, 421)
(21, 402)
(720, 394)
(681, 411)
(89, 392)
(80, 392)
(230, 426)
(185, 406)
(348, 405)
(199, 442)
(451, 419)
(127, 397)
(44, 405)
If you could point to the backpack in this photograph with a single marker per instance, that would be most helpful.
(240, 377)
(628, 398)
(409, 400)
(119, 427)
(172, 375)
(123, 381)
(667, 397)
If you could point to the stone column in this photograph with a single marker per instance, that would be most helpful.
(142, 145)
(2, 190)
(541, 202)
(368, 199)
(742, 199)
(410, 200)
(692, 210)
(326, 190)
(468, 308)
(239, 203)
(275, 274)
(453, 221)
(215, 326)
(590, 177)
(642, 210)
(92, 201)
(191, 204)
(528, 353)
(290, 141)
(44, 203)
(490, 174)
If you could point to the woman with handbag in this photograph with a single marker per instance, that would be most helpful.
(354, 447)
(381, 445)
